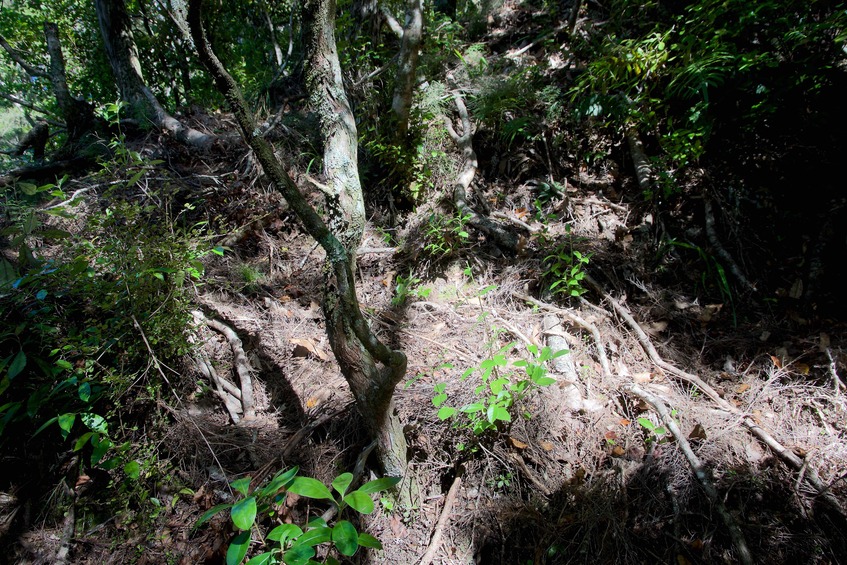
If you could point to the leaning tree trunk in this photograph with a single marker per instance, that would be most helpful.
(116, 29)
(356, 347)
(372, 387)
(78, 114)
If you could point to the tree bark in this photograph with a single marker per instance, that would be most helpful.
(372, 387)
(410, 46)
(116, 29)
(78, 114)
(356, 347)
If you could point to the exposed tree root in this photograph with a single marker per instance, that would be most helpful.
(643, 170)
(67, 530)
(464, 140)
(591, 328)
(731, 525)
(763, 435)
(244, 394)
(712, 234)
(437, 534)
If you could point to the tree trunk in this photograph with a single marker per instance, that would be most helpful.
(410, 46)
(356, 347)
(116, 29)
(78, 114)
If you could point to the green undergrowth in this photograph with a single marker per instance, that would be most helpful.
(93, 317)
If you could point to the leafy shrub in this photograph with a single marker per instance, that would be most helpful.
(74, 325)
(289, 543)
(501, 389)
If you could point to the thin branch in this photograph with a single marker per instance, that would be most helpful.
(17, 57)
(731, 525)
(392, 22)
(721, 251)
(34, 107)
(438, 533)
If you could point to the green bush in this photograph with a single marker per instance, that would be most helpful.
(74, 324)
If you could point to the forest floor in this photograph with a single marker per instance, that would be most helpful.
(692, 417)
(587, 471)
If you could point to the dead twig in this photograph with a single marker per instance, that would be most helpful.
(437, 534)
(731, 525)
(837, 383)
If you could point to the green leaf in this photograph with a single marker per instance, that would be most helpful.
(243, 514)
(345, 537)
(446, 412)
(544, 381)
(207, 515)
(315, 536)
(298, 555)
(132, 470)
(80, 442)
(360, 502)
(18, 364)
(316, 522)
(310, 488)
(439, 399)
(63, 364)
(262, 559)
(367, 540)
(342, 483)
(241, 485)
(497, 385)
(238, 548)
(66, 422)
(101, 446)
(95, 422)
(497, 412)
(280, 480)
(472, 408)
(43, 426)
(28, 188)
(379, 485)
(284, 533)
(84, 392)
(645, 423)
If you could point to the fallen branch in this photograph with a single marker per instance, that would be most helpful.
(763, 435)
(437, 534)
(591, 328)
(712, 234)
(242, 365)
(731, 525)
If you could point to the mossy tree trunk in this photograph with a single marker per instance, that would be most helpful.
(371, 368)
